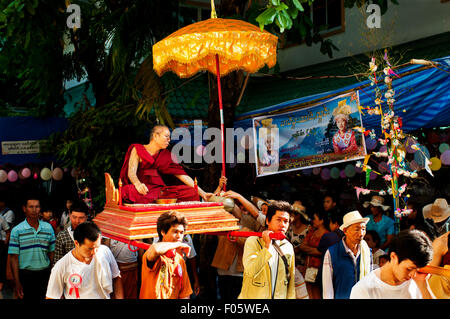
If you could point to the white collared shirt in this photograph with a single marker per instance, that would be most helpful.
(327, 270)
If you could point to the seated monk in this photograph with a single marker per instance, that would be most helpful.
(148, 173)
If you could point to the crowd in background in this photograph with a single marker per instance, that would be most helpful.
(215, 265)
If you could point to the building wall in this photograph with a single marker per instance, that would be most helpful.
(410, 20)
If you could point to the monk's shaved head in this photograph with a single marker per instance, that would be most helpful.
(157, 129)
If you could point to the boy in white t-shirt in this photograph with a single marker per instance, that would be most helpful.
(399, 277)
(89, 271)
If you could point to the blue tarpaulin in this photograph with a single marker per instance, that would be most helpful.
(15, 132)
(422, 99)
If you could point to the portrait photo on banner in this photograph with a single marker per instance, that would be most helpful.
(318, 135)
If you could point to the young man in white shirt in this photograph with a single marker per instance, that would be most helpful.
(89, 271)
(399, 277)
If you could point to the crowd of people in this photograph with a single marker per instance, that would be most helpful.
(327, 252)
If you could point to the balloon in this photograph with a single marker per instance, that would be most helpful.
(383, 167)
(410, 142)
(350, 170)
(12, 176)
(371, 143)
(3, 176)
(26, 172)
(74, 173)
(200, 150)
(335, 172)
(57, 174)
(46, 174)
(316, 170)
(35, 176)
(445, 157)
(383, 149)
(325, 174)
(342, 174)
(419, 156)
(443, 147)
(435, 163)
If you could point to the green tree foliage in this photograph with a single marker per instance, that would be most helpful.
(112, 50)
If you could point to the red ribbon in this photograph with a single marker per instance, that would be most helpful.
(75, 284)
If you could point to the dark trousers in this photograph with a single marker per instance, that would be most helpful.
(229, 287)
(34, 283)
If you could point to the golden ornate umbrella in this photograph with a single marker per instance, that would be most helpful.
(218, 46)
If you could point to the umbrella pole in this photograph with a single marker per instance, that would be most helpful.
(222, 129)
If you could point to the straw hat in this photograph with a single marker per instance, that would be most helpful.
(376, 201)
(438, 211)
(300, 209)
(351, 218)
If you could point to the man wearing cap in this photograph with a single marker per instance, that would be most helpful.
(347, 261)
(439, 212)
(382, 224)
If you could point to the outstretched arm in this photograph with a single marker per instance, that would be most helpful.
(252, 209)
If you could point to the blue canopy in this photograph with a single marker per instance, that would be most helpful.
(422, 98)
(20, 129)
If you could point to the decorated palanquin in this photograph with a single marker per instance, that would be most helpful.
(138, 221)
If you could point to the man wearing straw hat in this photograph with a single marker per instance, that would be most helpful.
(382, 224)
(347, 261)
(439, 212)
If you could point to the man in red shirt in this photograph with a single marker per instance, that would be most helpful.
(164, 274)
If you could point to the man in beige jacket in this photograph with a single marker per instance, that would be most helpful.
(269, 265)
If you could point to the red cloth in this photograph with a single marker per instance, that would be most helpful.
(156, 172)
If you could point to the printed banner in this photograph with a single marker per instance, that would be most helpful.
(319, 135)
(24, 147)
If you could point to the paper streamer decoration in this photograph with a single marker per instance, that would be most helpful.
(12, 176)
(3, 176)
(316, 170)
(46, 174)
(445, 157)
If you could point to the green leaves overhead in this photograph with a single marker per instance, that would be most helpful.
(282, 13)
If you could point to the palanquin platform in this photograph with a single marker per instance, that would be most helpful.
(138, 221)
